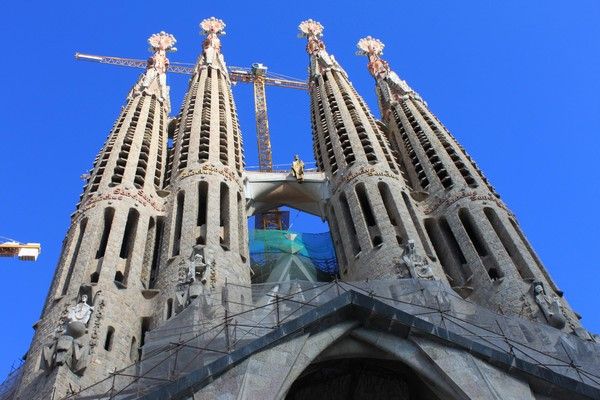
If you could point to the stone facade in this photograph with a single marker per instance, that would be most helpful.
(371, 213)
(476, 238)
(159, 244)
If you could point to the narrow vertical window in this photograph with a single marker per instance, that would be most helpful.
(349, 224)
(241, 226)
(82, 226)
(392, 212)
(145, 327)
(417, 224)
(447, 250)
(337, 238)
(127, 245)
(474, 235)
(454, 246)
(110, 336)
(508, 244)
(225, 216)
(365, 205)
(369, 217)
(133, 350)
(169, 308)
(109, 214)
(178, 223)
(160, 226)
(129, 234)
(202, 209)
(479, 244)
(148, 251)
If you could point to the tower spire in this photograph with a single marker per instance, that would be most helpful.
(154, 80)
(320, 59)
(207, 219)
(211, 46)
(381, 71)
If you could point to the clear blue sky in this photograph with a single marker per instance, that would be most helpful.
(516, 82)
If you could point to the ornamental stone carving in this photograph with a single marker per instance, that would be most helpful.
(69, 346)
(417, 264)
(194, 273)
(298, 169)
(550, 306)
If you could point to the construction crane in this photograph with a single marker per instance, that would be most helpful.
(260, 78)
(24, 251)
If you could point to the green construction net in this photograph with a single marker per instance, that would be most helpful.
(277, 256)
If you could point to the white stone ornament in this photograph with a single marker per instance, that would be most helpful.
(80, 312)
(370, 46)
(310, 28)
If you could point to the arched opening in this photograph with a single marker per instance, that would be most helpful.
(108, 341)
(359, 378)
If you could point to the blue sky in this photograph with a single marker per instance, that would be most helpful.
(516, 82)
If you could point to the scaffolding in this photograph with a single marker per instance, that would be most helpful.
(283, 255)
(221, 326)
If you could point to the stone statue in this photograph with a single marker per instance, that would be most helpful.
(549, 305)
(418, 265)
(198, 266)
(298, 169)
(80, 312)
(193, 275)
(69, 346)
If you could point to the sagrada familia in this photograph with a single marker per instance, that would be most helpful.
(439, 294)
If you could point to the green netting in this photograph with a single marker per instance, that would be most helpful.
(277, 255)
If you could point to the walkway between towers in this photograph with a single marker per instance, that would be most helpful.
(268, 190)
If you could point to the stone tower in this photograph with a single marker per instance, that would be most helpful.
(477, 239)
(206, 221)
(371, 213)
(92, 319)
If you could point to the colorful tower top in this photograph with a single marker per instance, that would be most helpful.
(160, 43)
(380, 69)
(154, 81)
(320, 60)
(211, 46)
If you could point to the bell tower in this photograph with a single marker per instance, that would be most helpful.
(207, 221)
(476, 237)
(371, 212)
(91, 322)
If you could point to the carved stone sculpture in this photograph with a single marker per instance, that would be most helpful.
(198, 266)
(69, 347)
(192, 275)
(549, 305)
(80, 313)
(298, 169)
(418, 265)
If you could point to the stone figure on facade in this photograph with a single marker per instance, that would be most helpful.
(69, 346)
(417, 264)
(298, 169)
(193, 274)
(550, 306)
